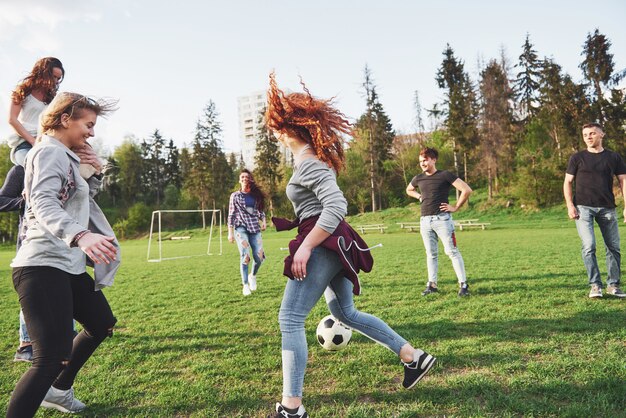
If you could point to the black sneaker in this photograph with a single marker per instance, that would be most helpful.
(24, 354)
(464, 290)
(414, 371)
(430, 289)
(281, 412)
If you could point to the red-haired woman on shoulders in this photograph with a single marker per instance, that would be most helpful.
(327, 254)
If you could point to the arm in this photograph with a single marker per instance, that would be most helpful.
(263, 220)
(88, 156)
(569, 196)
(230, 220)
(412, 191)
(622, 187)
(465, 190)
(14, 112)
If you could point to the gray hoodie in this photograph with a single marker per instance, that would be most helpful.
(58, 204)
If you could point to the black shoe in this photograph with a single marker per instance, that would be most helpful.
(413, 372)
(464, 290)
(429, 289)
(281, 412)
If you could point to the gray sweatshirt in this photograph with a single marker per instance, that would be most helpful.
(56, 209)
(313, 191)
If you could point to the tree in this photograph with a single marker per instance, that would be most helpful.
(419, 120)
(375, 128)
(172, 172)
(563, 107)
(597, 68)
(209, 177)
(130, 171)
(496, 122)
(527, 81)
(460, 105)
(267, 161)
(153, 150)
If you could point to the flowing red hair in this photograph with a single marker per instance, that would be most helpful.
(313, 120)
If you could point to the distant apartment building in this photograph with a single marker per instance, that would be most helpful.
(249, 108)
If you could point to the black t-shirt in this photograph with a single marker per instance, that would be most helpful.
(434, 190)
(594, 174)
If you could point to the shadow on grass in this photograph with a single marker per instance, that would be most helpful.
(479, 396)
(517, 330)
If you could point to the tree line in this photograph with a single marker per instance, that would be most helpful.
(510, 131)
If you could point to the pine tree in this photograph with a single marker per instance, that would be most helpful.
(375, 128)
(172, 165)
(460, 105)
(267, 161)
(153, 150)
(496, 125)
(527, 81)
(210, 175)
(598, 69)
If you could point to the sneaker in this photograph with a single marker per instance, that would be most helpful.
(246, 290)
(414, 371)
(282, 413)
(252, 282)
(24, 354)
(615, 291)
(464, 290)
(430, 289)
(596, 291)
(62, 400)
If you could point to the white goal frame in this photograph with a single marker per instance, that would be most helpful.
(216, 216)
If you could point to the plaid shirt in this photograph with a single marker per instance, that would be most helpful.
(238, 215)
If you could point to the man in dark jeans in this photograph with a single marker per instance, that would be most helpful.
(592, 170)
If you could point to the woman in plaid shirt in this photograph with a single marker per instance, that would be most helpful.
(246, 220)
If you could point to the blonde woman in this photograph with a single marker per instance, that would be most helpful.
(49, 270)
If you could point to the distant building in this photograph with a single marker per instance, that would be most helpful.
(249, 108)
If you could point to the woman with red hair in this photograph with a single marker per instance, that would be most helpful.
(327, 254)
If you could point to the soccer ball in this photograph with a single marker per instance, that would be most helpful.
(332, 334)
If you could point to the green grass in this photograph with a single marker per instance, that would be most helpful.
(528, 342)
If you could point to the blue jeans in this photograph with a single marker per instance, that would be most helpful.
(246, 242)
(18, 156)
(24, 337)
(607, 221)
(324, 276)
(441, 227)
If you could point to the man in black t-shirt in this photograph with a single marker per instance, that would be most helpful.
(592, 171)
(436, 220)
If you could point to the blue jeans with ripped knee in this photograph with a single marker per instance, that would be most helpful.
(441, 227)
(249, 244)
(324, 276)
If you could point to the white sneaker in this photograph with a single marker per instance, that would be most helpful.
(246, 290)
(62, 400)
(252, 282)
(596, 291)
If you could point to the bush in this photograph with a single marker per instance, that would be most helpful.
(138, 218)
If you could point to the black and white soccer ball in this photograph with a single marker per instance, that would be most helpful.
(332, 334)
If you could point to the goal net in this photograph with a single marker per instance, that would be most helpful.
(184, 234)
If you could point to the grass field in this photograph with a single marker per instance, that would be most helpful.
(528, 342)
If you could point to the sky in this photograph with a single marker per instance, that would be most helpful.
(164, 60)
